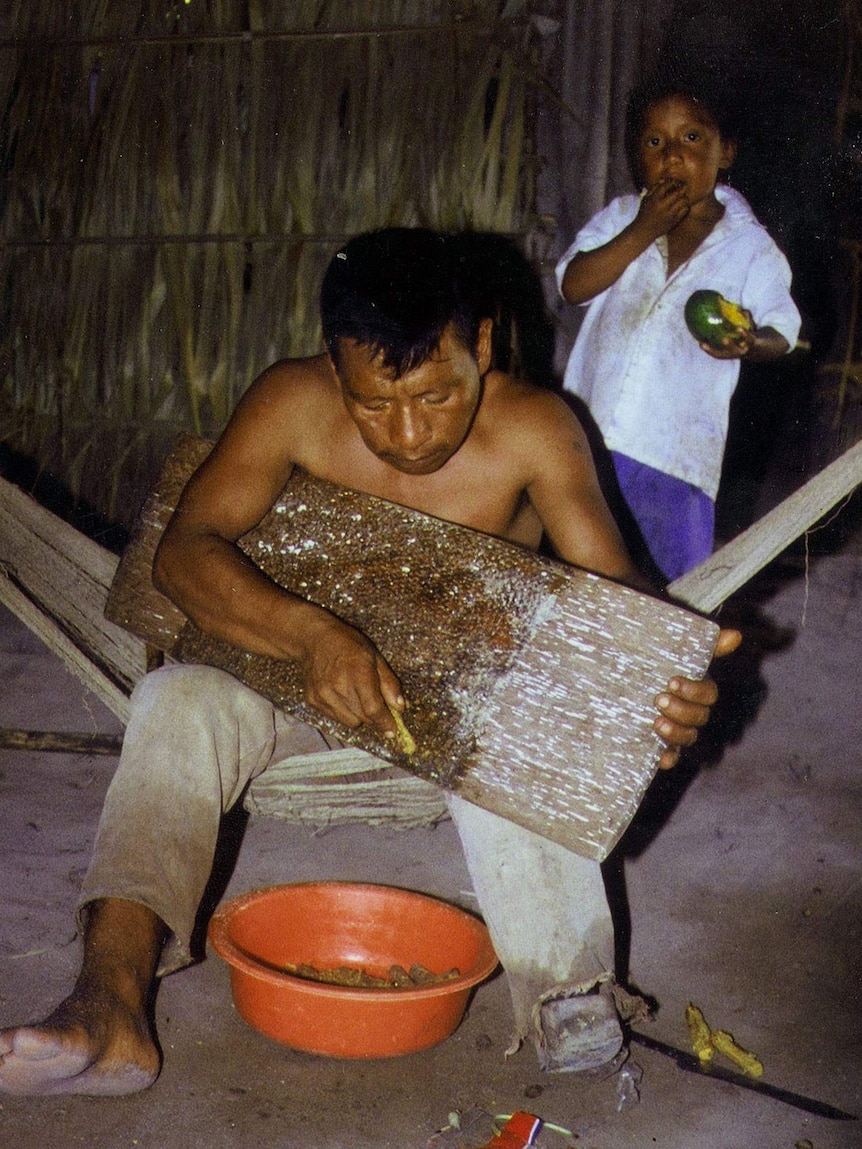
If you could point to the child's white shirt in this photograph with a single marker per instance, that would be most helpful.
(655, 395)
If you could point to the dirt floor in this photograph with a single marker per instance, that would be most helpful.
(737, 888)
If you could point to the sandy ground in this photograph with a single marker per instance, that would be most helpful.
(738, 888)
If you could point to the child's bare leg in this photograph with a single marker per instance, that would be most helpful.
(99, 1040)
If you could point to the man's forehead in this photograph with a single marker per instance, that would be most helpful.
(355, 356)
(378, 381)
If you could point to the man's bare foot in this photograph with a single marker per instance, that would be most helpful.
(92, 1045)
(98, 1041)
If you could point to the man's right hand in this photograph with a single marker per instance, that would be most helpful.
(346, 677)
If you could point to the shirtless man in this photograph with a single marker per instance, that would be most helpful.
(404, 406)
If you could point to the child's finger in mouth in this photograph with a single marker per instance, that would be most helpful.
(666, 184)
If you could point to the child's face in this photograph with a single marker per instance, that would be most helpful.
(681, 142)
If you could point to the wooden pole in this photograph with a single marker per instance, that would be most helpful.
(714, 580)
(60, 742)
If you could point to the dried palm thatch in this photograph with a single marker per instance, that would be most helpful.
(178, 174)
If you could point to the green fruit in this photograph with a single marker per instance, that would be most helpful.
(710, 317)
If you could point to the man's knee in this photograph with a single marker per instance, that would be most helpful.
(199, 722)
(195, 694)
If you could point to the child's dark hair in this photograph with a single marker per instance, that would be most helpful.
(702, 90)
(395, 291)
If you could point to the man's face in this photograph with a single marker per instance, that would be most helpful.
(417, 422)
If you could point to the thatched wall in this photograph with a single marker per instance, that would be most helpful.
(176, 175)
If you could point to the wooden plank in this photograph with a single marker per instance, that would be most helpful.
(567, 746)
(531, 683)
(133, 602)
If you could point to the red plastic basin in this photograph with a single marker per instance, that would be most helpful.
(372, 927)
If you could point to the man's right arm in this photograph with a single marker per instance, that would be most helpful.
(199, 566)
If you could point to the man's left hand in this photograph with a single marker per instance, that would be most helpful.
(686, 705)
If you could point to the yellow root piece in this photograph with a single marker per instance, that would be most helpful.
(699, 1032)
(706, 1042)
(405, 739)
(746, 1061)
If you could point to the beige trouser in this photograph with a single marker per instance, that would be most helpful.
(197, 737)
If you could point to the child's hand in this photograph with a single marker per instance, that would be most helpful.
(758, 344)
(662, 207)
(740, 343)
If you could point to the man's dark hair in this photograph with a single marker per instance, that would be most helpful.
(395, 291)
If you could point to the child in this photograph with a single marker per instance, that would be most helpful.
(658, 397)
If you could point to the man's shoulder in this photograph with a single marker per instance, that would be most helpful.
(517, 407)
(507, 390)
(293, 387)
(299, 376)
(288, 408)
